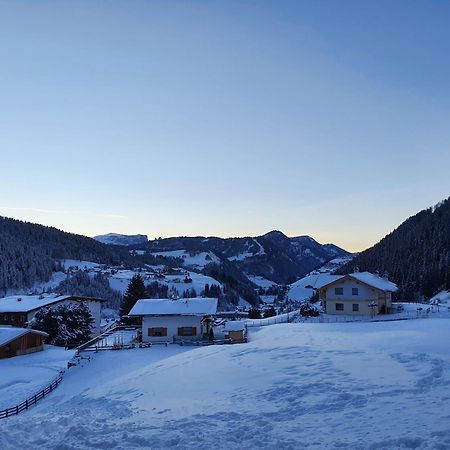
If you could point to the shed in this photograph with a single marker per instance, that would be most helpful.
(236, 331)
(20, 341)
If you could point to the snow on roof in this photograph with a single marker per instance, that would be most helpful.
(237, 325)
(165, 307)
(25, 303)
(368, 278)
(315, 281)
(375, 281)
(8, 334)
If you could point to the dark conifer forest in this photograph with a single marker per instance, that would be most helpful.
(416, 255)
(29, 253)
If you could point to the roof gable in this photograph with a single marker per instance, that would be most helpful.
(369, 279)
(197, 306)
(8, 334)
(27, 303)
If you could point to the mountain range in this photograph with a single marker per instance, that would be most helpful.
(273, 256)
(122, 239)
(416, 255)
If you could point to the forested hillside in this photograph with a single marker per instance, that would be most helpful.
(29, 252)
(416, 255)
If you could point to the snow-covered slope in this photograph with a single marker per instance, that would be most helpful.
(122, 239)
(196, 260)
(23, 376)
(334, 264)
(121, 278)
(304, 288)
(272, 256)
(312, 386)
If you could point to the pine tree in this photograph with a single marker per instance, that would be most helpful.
(254, 313)
(135, 291)
(270, 312)
(66, 324)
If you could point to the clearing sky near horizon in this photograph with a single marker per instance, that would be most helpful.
(224, 118)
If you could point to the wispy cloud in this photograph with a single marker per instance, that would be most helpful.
(60, 211)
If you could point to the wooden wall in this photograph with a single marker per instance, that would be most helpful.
(28, 343)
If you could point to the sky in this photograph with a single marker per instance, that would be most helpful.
(225, 118)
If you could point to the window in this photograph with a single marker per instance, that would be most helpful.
(354, 291)
(339, 291)
(355, 307)
(187, 331)
(157, 332)
(339, 307)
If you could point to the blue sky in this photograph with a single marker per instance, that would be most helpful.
(224, 118)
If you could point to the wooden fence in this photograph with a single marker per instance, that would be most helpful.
(32, 400)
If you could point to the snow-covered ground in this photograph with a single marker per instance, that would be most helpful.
(23, 376)
(80, 264)
(316, 386)
(121, 337)
(442, 298)
(303, 289)
(121, 278)
(260, 281)
(268, 299)
(196, 260)
(333, 265)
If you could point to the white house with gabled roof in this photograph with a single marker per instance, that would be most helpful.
(164, 320)
(19, 310)
(359, 293)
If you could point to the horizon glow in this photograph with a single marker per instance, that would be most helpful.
(327, 119)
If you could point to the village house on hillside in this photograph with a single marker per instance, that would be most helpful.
(359, 293)
(165, 320)
(19, 310)
(20, 341)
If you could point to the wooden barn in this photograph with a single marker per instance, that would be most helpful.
(20, 341)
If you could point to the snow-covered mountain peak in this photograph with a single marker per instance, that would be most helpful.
(122, 239)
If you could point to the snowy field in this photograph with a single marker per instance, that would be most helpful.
(120, 280)
(24, 376)
(293, 386)
(260, 281)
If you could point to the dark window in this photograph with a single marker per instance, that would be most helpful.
(157, 332)
(339, 307)
(354, 291)
(187, 331)
(355, 307)
(339, 291)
